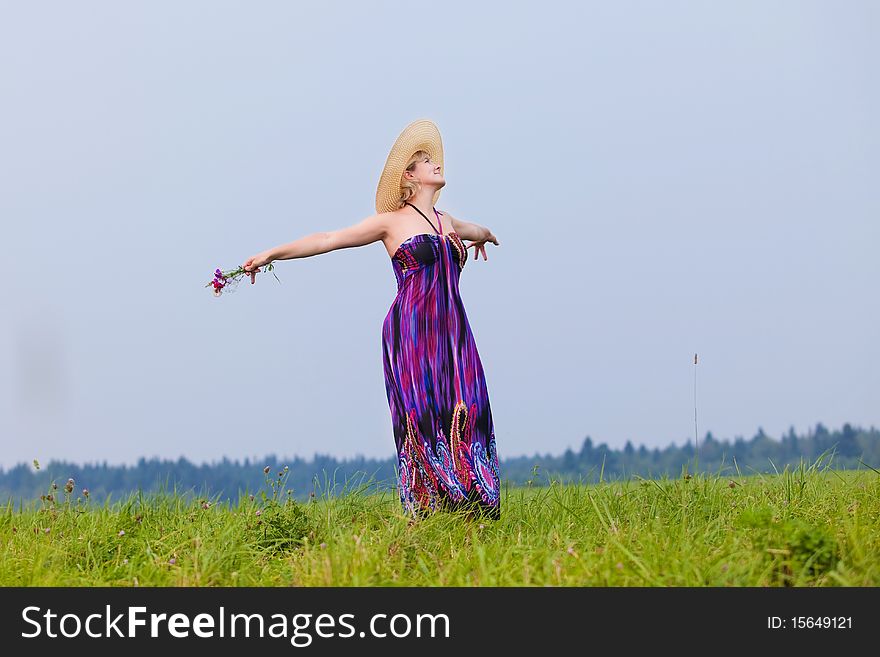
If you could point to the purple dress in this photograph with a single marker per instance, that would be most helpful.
(435, 385)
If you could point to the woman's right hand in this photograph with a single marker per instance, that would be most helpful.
(252, 265)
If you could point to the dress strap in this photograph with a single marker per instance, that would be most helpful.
(426, 219)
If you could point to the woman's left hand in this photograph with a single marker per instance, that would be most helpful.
(480, 245)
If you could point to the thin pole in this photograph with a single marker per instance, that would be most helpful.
(696, 435)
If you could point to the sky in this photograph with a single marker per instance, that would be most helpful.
(665, 179)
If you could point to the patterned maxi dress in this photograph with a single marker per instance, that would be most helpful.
(434, 381)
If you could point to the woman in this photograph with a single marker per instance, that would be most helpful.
(434, 380)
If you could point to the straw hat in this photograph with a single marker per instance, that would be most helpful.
(421, 135)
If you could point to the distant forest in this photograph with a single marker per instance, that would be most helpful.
(226, 481)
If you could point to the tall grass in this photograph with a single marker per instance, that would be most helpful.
(808, 526)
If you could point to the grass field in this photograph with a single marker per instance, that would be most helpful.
(806, 527)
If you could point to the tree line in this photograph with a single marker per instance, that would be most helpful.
(227, 480)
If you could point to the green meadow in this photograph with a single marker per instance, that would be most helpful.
(801, 527)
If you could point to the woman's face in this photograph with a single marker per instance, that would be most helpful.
(427, 172)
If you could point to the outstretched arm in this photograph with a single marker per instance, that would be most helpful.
(304, 247)
(468, 231)
(367, 231)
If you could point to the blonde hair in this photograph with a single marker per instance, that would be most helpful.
(409, 188)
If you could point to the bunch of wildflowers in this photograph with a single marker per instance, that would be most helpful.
(232, 277)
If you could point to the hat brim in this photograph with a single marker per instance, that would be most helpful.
(421, 135)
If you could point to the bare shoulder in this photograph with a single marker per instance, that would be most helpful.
(450, 220)
(378, 224)
(384, 221)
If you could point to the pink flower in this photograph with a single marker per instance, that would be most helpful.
(232, 277)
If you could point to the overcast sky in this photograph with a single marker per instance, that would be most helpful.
(664, 178)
